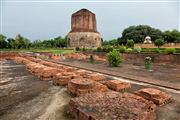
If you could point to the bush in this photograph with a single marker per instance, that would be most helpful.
(122, 49)
(130, 43)
(170, 50)
(129, 50)
(109, 49)
(99, 49)
(91, 59)
(159, 42)
(158, 50)
(77, 49)
(114, 58)
(147, 62)
(137, 49)
(84, 49)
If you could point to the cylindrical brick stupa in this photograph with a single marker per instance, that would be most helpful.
(83, 30)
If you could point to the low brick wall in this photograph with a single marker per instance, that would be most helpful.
(139, 57)
(167, 45)
(156, 58)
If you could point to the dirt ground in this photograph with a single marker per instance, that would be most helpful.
(25, 97)
(165, 72)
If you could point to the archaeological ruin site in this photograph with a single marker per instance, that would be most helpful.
(82, 77)
(73, 92)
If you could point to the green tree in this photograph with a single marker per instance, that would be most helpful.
(3, 43)
(113, 42)
(130, 43)
(138, 33)
(10, 43)
(104, 43)
(121, 41)
(159, 42)
(171, 36)
(21, 42)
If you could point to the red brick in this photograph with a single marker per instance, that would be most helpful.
(117, 85)
(97, 77)
(155, 95)
(113, 105)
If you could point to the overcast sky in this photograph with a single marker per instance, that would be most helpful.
(45, 19)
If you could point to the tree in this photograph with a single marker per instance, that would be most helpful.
(171, 36)
(138, 33)
(121, 41)
(130, 43)
(113, 42)
(3, 43)
(104, 43)
(159, 42)
(21, 42)
(10, 43)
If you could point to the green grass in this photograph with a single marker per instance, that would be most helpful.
(51, 50)
(154, 50)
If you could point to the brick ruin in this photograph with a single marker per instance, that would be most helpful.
(83, 30)
(97, 97)
(112, 106)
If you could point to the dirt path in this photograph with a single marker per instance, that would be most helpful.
(23, 96)
(163, 76)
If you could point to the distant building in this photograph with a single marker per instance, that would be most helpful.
(147, 40)
(83, 30)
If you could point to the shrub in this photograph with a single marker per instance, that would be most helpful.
(91, 59)
(114, 58)
(129, 50)
(130, 43)
(137, 49)
(159, 42)
(170, 50)
(147, 63)
(122, 49)
(109, 49)
(158, 50)
(77, 49)
(99, 49)
(84, 49)
(104, 49)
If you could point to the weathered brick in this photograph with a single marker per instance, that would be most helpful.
(97, 77)
(155, 95)
(112, 106)
(81, 86)
(117, 85)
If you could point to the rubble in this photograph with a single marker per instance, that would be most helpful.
(81, 56)
(63, 78)
(155, 95)
(56, 57)
(112, 106)
(97, 77)
(117, 85)
(81, 86)
(83, 73)
(47, 73)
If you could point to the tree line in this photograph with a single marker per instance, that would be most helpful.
(139, 32)
(135, 33)
(20, 42)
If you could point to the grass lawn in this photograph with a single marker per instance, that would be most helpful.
(51, 50)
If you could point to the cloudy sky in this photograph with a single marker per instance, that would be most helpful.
(45, 19)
